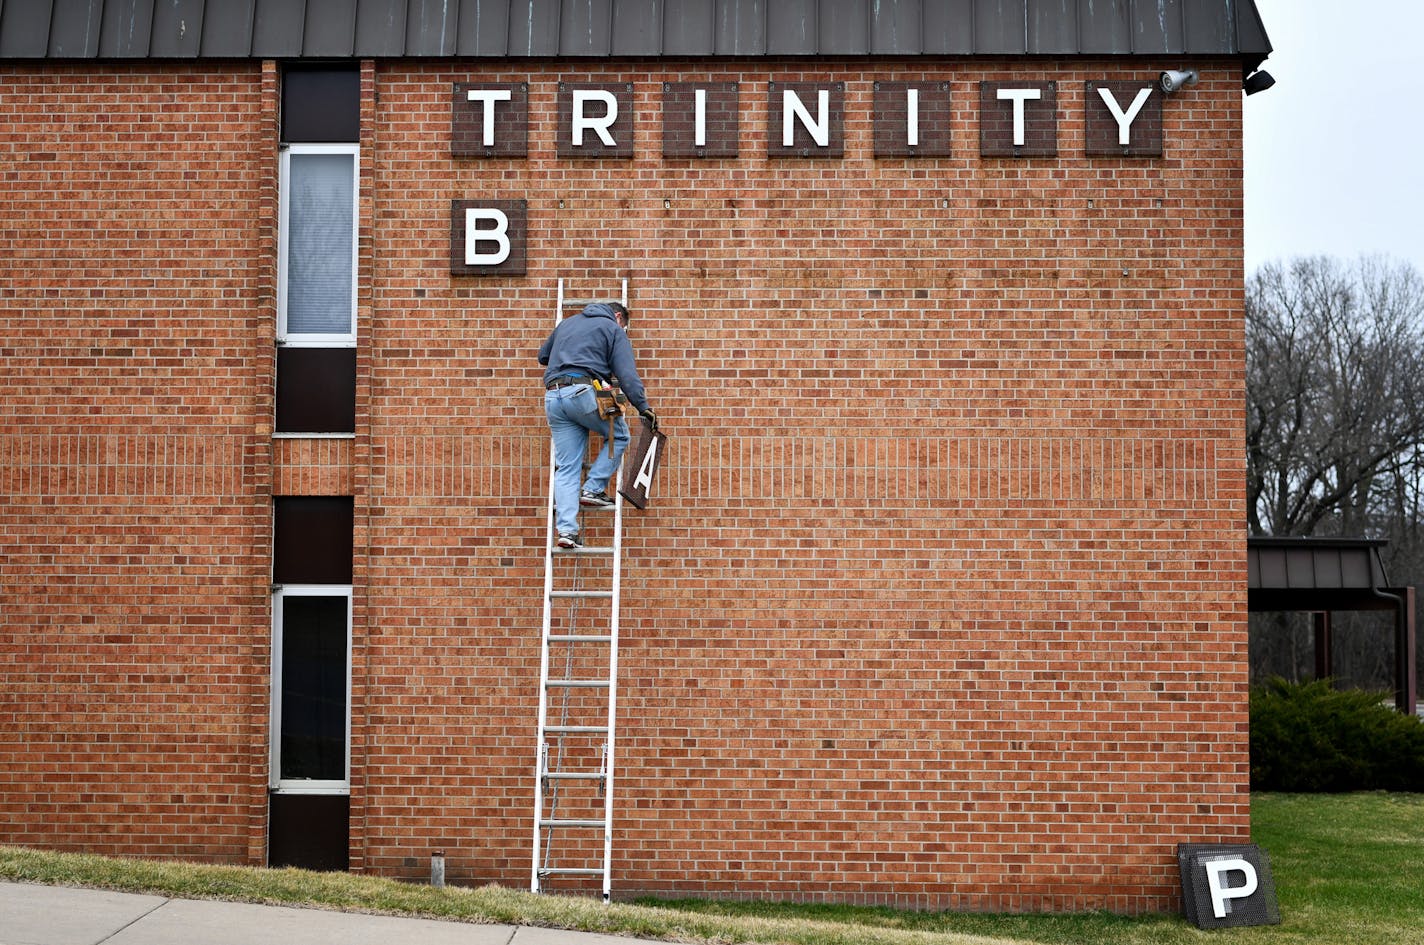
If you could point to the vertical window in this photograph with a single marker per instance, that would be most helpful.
(316, 277)
(311, 644)
(317, 238)
(311, 688)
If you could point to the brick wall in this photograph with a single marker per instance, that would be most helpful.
(941, 598)
(134, 504)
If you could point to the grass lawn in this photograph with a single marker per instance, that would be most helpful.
(1349, 870)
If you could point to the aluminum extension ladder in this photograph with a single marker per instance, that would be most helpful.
(578, 690)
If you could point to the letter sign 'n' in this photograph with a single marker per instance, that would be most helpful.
(805, 119)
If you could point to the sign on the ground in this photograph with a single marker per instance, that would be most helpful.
(1227, 885)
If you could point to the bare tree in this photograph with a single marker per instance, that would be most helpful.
(1333, 390)
(1335, 426)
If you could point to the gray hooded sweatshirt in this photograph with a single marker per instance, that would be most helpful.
(591, 343)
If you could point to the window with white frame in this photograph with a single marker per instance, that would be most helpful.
(316, 273)
(311, 689)
(312, 571)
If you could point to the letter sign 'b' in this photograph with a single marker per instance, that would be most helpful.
(477, 235)
(487, 237)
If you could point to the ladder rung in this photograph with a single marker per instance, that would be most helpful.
(571, 871)
(573, 822)
(581, 595)
(585, 550)
(571, 302)
(582, 638)
(579, 683)
(576, 729)
(575, 775)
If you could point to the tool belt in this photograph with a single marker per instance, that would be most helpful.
(610, 406)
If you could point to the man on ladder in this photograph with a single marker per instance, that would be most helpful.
(581, 357)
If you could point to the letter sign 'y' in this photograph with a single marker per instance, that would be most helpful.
(489, 97)
(499, 235)
(1019, 96)
(1124, 119)
(819, 127)
(1220, 892)
(600, 125)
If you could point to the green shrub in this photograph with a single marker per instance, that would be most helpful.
(1310, 737)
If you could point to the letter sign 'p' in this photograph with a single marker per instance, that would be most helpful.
(487, 237)
(1226, 885)
(1221, 892)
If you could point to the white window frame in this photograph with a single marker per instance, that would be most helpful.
(313, 339)
(274, 779)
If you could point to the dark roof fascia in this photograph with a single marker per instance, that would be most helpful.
(189, 30)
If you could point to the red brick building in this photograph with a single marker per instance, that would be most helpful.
(941, 599)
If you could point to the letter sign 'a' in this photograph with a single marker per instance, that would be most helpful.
(640, 464)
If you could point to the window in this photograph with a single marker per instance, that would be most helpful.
(311, 644)
(311, 689)
(316, 274)
(317, 238)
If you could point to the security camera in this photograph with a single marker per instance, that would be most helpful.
(1174, 79)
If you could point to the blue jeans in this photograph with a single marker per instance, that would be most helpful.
(573, 413)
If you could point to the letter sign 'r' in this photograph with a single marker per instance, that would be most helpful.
(792, 109)
(1221, 894)
(1124, 119)
(598, 125)
(1019, 96)
(474, 236)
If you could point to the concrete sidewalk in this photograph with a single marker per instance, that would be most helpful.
(60, 915)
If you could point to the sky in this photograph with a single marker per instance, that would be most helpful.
(1335, 151)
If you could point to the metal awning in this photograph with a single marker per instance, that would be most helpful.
(1321, 575)
(360, 29)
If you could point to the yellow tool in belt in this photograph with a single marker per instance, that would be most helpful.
(610, 406)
